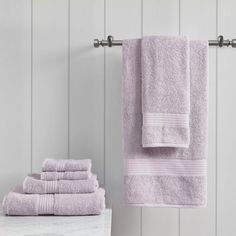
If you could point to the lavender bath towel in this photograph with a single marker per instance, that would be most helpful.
(166, 176)
(66, 165)
(165, 91)
(17, 203)
(33, 184)
(68, 175)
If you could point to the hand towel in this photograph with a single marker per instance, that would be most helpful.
(165, 176)
(69, 175)
(66, 165)
(32, 184)
(165, 91)
(17, 203)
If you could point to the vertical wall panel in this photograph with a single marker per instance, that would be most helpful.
(14, 92)
(50, 80)
(226, 122)
(160, 18)
(123, 20)
(87, 83)
(198, 21)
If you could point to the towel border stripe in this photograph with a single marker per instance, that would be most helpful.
(158, 167)
(166, 119)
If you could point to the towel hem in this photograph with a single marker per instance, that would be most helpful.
(164, 205)
(165, 145)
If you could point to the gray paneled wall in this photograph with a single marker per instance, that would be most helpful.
(61, 98)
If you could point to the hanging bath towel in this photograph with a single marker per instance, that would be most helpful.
(165, 176)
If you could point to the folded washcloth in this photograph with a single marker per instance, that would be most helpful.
(17, 203)
(165, 91)
(33, 184)
(169, 177)
(66, 165)
(69, 175)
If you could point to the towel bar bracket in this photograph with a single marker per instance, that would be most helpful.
(110, 42)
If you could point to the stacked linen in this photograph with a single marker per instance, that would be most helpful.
(65, 187)
(33, 184)
(64, 169)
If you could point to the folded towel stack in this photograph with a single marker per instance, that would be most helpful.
(65, 187)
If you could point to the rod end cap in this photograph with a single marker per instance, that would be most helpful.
(96, 43)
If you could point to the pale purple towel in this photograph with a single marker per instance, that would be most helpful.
(17, 203)
(68, 175)
(165, 176)
(33, 184)
(66, 165)
(165, 91)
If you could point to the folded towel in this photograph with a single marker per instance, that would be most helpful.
(165, 91)
(33, 184)
(66, 165)
(166, 176)
(69, 175)
(17, 203)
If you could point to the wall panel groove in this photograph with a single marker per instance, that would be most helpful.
(31, 81)
(216, 123)
(104, 114)
(68, 85)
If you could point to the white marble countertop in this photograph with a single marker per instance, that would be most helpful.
(56, 225)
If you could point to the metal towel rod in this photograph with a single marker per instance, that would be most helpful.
(110, 42)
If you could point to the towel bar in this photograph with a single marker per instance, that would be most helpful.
(110, 42)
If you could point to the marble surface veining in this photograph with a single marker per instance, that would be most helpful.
(56, 225)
